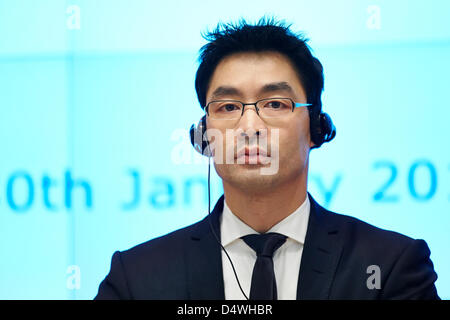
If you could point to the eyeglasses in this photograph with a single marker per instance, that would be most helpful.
(265, 108)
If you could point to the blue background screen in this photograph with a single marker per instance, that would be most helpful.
(96, 99)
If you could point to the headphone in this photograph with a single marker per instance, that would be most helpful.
(321, 126)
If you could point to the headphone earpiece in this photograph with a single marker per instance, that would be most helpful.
(327, 127)
(198, 138)
(322, 129)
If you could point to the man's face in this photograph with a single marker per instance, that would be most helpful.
(249, 77)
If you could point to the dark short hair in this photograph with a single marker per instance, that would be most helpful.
(266, 35)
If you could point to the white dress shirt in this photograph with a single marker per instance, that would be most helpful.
(286, 259)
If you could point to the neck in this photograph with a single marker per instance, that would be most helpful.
(262, 210)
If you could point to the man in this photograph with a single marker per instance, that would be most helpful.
(276, 242)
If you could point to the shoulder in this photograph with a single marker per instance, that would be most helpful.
(355, 232)
(363, 241)
(372, 244)
(168, 246)
(403, 263)
(154, 269)
(366, 233)
(151, 270)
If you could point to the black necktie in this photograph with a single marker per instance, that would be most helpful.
(264, 286)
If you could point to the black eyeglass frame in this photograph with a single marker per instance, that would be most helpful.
(294, 104)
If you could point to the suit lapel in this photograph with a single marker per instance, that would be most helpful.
(321, 253)
(204, 259)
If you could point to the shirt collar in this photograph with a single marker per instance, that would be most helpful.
(294, 226)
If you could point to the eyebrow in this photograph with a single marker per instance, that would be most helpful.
(223, 91)
(277, 86)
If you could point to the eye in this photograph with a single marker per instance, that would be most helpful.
(274, 104)
(228, 107)
(278, 104)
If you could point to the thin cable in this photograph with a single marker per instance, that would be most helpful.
(215, 235)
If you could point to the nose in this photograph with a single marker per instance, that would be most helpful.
(250, 123)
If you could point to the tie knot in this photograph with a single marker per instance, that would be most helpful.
(265, 244)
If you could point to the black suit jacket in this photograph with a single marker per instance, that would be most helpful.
(338, 249)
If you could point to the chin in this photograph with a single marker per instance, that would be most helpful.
(248, 177)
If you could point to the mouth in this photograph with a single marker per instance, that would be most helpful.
(252, 155)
